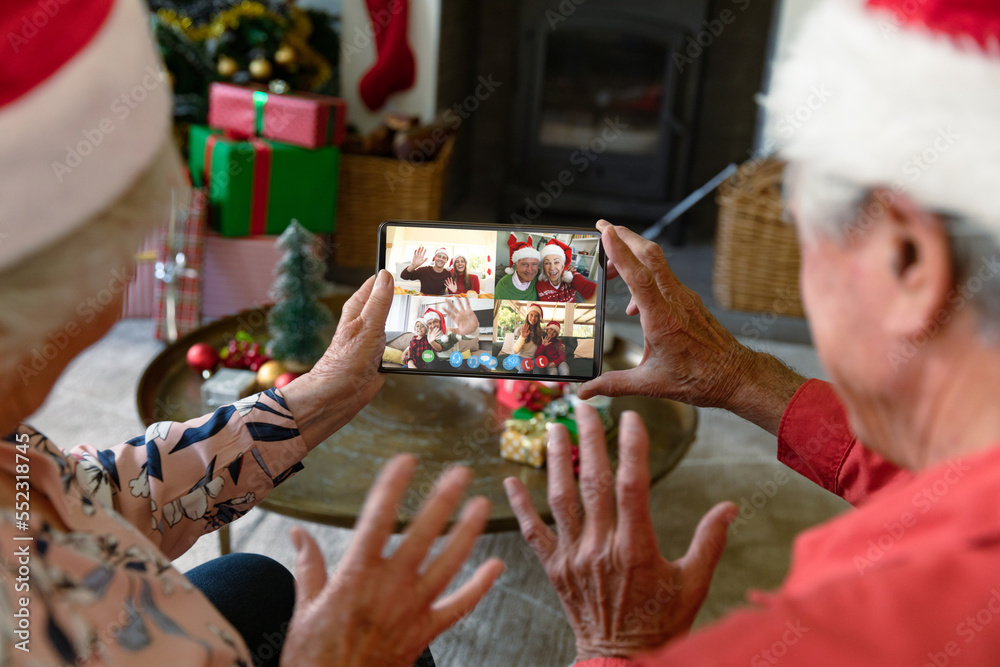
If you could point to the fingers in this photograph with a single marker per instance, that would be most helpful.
(611, 383)
(376, 308)
(451, 609)
(640, 280)
(461, 539)
(596, 480)
(353, 307)
(708, 544)
(538, 536)
(563, 496)
(632, 483)
(432, 517)
(310, 569)
(611, 271)
(378, 516)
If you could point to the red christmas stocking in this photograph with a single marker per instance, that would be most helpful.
(394, 69)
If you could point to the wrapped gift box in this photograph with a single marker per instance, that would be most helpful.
(524, 441)
(527, 393)
(300, 119)
(258, 186)
(237, 274)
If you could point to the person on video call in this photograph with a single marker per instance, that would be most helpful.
(559, 282)
(901, 282)
(434, 277)
(553, 351)
(519, 282)
(444, 341)
(93, 582)
(461, 281)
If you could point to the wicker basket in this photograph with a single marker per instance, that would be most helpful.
(756, 251)
(373, 189)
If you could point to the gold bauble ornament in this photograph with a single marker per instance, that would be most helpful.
(260, 68)
(285, 55)
(227, 66)
(269, 372)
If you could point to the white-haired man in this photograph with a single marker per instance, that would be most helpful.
(899, 233)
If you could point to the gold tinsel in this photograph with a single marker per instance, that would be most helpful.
(297, 35)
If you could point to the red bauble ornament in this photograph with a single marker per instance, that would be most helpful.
(284, 379)
(202, 357)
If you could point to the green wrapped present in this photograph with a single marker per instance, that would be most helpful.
(258, 186)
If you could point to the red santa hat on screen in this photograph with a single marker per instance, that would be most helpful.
(440, 251)
(84, 109)
(458, 254)
(536, 307)
(519, 250)
(557, 248)
(898, 93)
(554, 325)
(431, 314)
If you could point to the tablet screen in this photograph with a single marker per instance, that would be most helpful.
(480, 300)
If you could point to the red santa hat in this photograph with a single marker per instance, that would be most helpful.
(554, 325)
(430, 314)
(532, 307)
(458, 254)
(557, 248)
(902, 94)
(440, 251)
(84, 109)
(520, 250)
(420, 320)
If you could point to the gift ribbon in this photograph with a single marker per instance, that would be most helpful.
(259, 101)
(260, 186)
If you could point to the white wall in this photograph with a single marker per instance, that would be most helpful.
(424, 30)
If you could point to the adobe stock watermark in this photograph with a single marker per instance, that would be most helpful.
(967, 629)
(957, 298)
(32, 23)
(121, 108)
(793, 633)
(425, 148)
(87, 311)
(750, 505)
(695, 45)
(582, 159)
(361, 38)
(562, 12)
(923, 502)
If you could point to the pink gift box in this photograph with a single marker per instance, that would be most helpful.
(237, 273)
(301, 119)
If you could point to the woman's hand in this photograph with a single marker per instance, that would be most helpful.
(462, 315)
(419, 257)
(620, 594)
(525, 330)
(451, 285)
(384, 611)
(346, 378)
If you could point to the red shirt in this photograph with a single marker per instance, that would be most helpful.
(910, 578)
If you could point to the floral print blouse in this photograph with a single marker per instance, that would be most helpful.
(103, 592)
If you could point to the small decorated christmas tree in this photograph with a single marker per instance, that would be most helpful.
(297, 320)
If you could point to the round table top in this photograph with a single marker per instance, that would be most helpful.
(443, 421)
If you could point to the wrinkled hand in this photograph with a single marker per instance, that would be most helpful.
(462, 315)
(346, 378)
(384, 611)
(620, 595)
(688, 355)
(451, 285)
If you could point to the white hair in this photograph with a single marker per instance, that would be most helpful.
(61, 288)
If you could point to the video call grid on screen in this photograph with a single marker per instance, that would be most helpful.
(434, 263)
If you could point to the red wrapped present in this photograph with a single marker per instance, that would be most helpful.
(301, 119)
(528, 394)
(237, 274)
(178, 269)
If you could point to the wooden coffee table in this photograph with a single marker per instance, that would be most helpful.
(442, 421)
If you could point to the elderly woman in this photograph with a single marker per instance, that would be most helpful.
(89, 533)
(899, 278)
